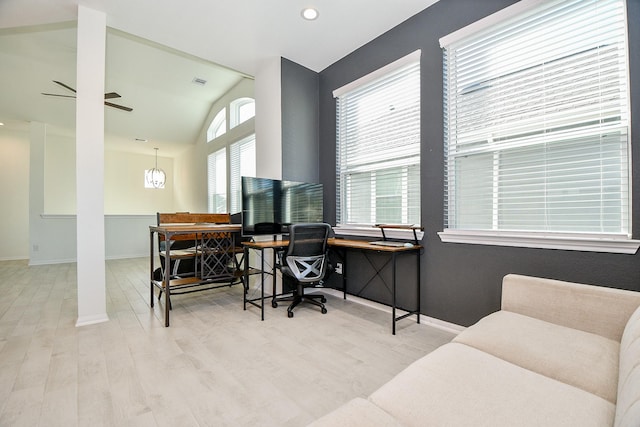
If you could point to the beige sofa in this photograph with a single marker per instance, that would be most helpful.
(556, 354)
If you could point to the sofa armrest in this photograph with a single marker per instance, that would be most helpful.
(595, 309)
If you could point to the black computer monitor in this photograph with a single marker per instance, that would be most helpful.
(269, 206)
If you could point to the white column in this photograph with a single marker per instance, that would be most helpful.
(92, 29)
(268, 126)
(268, 121)
(37, 141)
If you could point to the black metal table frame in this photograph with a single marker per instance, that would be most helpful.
(342, 253)
(341, 247)
(275, 247)
(201, 283)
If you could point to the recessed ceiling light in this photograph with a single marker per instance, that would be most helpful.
(309, 13)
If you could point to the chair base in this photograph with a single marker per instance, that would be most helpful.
(298, 297)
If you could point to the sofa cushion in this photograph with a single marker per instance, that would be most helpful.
(582, 359)
(628, 407)
(457, 385)
(358, 412)
(596, 309)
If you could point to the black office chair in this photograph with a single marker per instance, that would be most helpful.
(306, 261)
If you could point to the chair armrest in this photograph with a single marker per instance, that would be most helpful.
(595, 309)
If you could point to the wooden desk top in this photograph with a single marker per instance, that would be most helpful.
(336, 243)
(362, 244)
(193, 228)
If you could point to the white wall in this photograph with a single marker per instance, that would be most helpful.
(269, 118)
(59, 175)
(129, 207)
(14, 193)
(124, 192)
(124, 184)
(191, 166)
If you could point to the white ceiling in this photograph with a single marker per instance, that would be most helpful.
(156, 47)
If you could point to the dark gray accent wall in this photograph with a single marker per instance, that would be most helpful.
(300, 115)
(462, 283)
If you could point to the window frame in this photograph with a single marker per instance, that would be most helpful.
(358, 228)
(235, 108)
(583, 241)
(212, 181)
(219, 122)
(235, 172)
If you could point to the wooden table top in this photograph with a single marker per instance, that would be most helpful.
(194, 228)
(334, 242)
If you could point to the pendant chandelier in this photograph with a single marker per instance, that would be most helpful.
(156, 177)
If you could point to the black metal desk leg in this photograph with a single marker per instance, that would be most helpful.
(167, 278)
(262, 284)
(274, 277)
(151, 267)
(245, 274)
(418, 284)
(344, 275)
(393, 309)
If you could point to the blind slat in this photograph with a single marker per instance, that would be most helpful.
(537, 121)
(378, 155)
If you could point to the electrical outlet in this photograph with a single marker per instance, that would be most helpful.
(339, 267)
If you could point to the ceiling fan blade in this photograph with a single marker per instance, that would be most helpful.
(65, 86)
(55, 94)
(118, 106)
(111, 95)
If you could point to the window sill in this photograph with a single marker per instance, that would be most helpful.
(572, 242)
(374, 232)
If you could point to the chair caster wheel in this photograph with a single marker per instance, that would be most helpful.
(324, 310)
(274, 304)
(289, 314)
(323, 300)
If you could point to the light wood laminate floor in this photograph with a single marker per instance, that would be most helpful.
(217, 365)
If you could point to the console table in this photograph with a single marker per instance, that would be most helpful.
(215, 248)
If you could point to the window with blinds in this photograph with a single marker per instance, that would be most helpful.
(378, 146)
(242, 163)
(217, 181)
(537, 122)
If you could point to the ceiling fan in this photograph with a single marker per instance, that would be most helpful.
(109, 95)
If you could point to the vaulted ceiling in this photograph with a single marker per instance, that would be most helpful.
(155, 48)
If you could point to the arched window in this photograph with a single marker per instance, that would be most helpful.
(218, 125)
(241, 110)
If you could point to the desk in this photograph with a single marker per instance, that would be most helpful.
(341, 246)
(216, 243)
(275, 246)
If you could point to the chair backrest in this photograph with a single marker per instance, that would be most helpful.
(307, 251)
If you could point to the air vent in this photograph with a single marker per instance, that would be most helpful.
(199, 81)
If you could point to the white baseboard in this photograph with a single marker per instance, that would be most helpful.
(17, 258)
(92, 320)
(424, 320)
(52, 261)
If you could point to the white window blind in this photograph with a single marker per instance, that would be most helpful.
(537, 122)
(217, 181)
(378, 147)
(242, 163)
